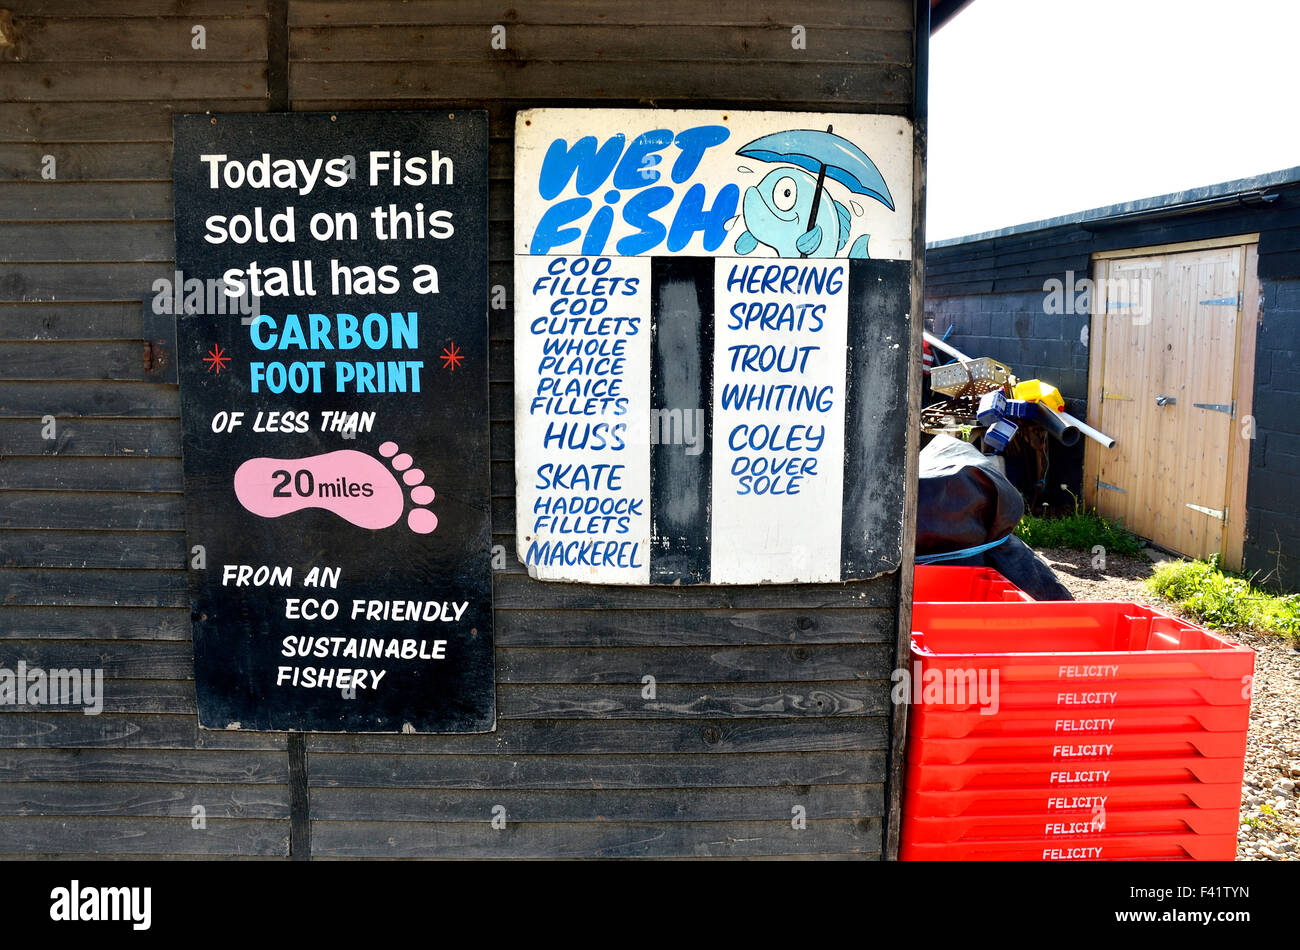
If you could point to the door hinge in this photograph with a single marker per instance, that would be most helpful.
(1109, 487)
(1116, 396)
(1234, 301)
(1229, 408)
(1221, 514)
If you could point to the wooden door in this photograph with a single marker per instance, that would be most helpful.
(1166, 333)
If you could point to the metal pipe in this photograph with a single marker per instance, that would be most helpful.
(1064, 432)
(946, 347)
(1100, 438)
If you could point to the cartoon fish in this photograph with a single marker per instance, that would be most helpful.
(776, 213)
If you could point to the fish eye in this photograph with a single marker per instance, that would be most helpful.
(784, 193)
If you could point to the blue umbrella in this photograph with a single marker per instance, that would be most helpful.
(827, 155)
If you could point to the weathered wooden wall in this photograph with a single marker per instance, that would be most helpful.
(768, 698)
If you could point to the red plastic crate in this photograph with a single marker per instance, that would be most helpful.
(1076, 800)
(999, 775)
(1180, 846)
(938, 584)
(939, 722)
(1092, 698)
(1082, 644)
(1051, 827)
(1063, 750)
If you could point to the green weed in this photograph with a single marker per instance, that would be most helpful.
(1220, 599)
(1082, 530)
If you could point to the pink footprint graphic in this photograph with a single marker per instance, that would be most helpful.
(359, 488)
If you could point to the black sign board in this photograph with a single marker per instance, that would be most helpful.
(331, 301)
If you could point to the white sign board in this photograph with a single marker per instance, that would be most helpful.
(705, 303)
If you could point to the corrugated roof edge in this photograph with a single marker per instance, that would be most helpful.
(1225, 189)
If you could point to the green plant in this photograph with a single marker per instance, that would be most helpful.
(1221, 599)
(1083, 530)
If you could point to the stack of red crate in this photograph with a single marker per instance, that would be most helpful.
(1072, 731)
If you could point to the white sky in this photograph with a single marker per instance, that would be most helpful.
(1044, 107)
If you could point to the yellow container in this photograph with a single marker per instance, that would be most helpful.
(1035, 390)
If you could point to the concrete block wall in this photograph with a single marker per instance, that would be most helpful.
(1015, 329)
(1272, 521)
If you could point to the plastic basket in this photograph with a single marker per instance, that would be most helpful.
(1052, 827)
(937, 722)
(940, 584)
(1071, 642)
(1090, 773)
(1062, 750)
(1078, 800)
(1185, 846)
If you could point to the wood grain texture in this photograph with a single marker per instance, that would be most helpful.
(592, 840)
(592, 805)
(97, 39)
(741, 83)
(603, 771)
(138, 835)
(628, 737)
(600, 42)
(877, 14)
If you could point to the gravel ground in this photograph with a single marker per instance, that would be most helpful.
(1270, 796)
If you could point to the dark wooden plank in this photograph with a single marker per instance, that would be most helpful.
(79, 321)
(140, 697)
(706, 701)
(117, 162)
(598, 42)
(73, 241)
(501, 438)
(135, 659)
(77, 799)
(75, 730)
(145, 8)
(79, 282)
(169, 766)
(863, 85)
(152, 836)
(617, 736)
(592, 805)
(524, 593)
(68, 400)
(92, 438)
(74, 474)
(103, 511)
(125, 82)
(701, 627)
(46, 473)
(104, 359)
(24, 586)
(47, 122)
(598, 771)
(800, 664)
(877, 14)
(80, 200)
(114, 549)
(595, 840)
(77, 623)
(502, 110)
(96, 39)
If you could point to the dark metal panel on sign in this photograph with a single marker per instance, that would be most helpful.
(331, 308)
